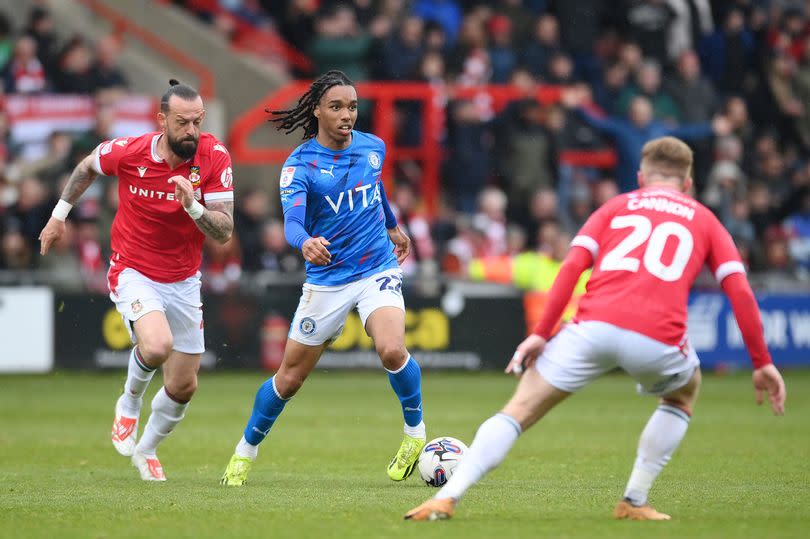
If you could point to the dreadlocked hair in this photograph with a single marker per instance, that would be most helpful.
(301, 115)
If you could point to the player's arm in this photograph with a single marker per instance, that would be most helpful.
(293, 191)
(214, 220)
(730, 273)
(80, 179)
(401, 241)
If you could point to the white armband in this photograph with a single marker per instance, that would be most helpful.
(196, 210)
(61, 210)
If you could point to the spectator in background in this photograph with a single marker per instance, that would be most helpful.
(63, 265)
(340, 43)
(30, 212)
(528, 149)
(25, 74)
(250, 214)
(403, 51)
(727, 54)
(544, 43)
(502, 54)
(275, 253)
(792, 117)
(631, 134)
(648, 24)
(297, 23)
(693, 21)
(797, 226)
(491, 218)
(694, 96)
(106, 73)
(75, 74)
(470, 142)
(446, 13)
(648, 84)
(560, 70)
(6, 41)
(520, 18)
(41, 27)
(609, 88)
(580, 23)
(405, 206)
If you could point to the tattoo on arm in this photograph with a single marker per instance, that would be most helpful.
(80, 179)
(217, 220)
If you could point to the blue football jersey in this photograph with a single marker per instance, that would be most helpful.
(342, 192)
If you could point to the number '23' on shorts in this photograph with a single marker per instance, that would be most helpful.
(322, 310)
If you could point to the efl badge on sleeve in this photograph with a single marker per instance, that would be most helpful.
(287, 175)
(194, 176)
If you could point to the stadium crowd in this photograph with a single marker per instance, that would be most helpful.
(730, 77)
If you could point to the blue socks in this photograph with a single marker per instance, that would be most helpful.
(266, 408)
(407, 384)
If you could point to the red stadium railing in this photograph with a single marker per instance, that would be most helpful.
(385, 95)
(122, 25)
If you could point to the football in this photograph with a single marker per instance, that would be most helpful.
(439, 458)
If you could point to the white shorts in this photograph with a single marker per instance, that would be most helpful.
(135, 295)
(583, 351)
(322, 310)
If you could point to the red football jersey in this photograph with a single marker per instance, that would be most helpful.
(648, 248)
(151, 232)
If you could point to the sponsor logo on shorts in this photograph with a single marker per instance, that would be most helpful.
(307, 326)
(137, 306)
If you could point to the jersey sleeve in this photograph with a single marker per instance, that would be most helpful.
(108, 155)
(590, 234)
(219, 183)
(723, 258)
(293, 185)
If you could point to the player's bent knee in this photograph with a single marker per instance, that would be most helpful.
(182, 390)
(393, 356)
(156, 349)
(288, 383)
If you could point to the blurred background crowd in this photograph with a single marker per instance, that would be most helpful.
(730, 77)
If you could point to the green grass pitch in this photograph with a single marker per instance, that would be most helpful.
(321, 473)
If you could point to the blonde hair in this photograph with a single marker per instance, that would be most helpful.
(668, 157)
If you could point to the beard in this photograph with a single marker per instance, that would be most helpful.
(182, 148)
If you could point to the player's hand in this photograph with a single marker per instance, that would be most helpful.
(767, 379)
(526, 354)
(316, 252)
(51, 233)
(402, 243)
(183, 190)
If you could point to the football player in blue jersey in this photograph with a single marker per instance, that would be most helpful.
(336, 212)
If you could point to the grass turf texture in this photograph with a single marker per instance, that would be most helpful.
(321, 473)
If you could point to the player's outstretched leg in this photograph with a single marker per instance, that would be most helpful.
(266, 408)
(494, 439)
(128, 406)
(407, 384)
(167, 412)
(659, 440)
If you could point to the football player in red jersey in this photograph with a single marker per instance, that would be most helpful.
(646, 249)
(175, 187)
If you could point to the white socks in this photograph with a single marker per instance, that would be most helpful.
(166, 414)
(659, 440)
(138, 377)
(419, 431)
(245, 449)
(494, 439)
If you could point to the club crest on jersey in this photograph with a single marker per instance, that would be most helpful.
(226, 177)
(137, 306)
(194, 176)
(287, 174)
(307, 326)
(374, 159)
